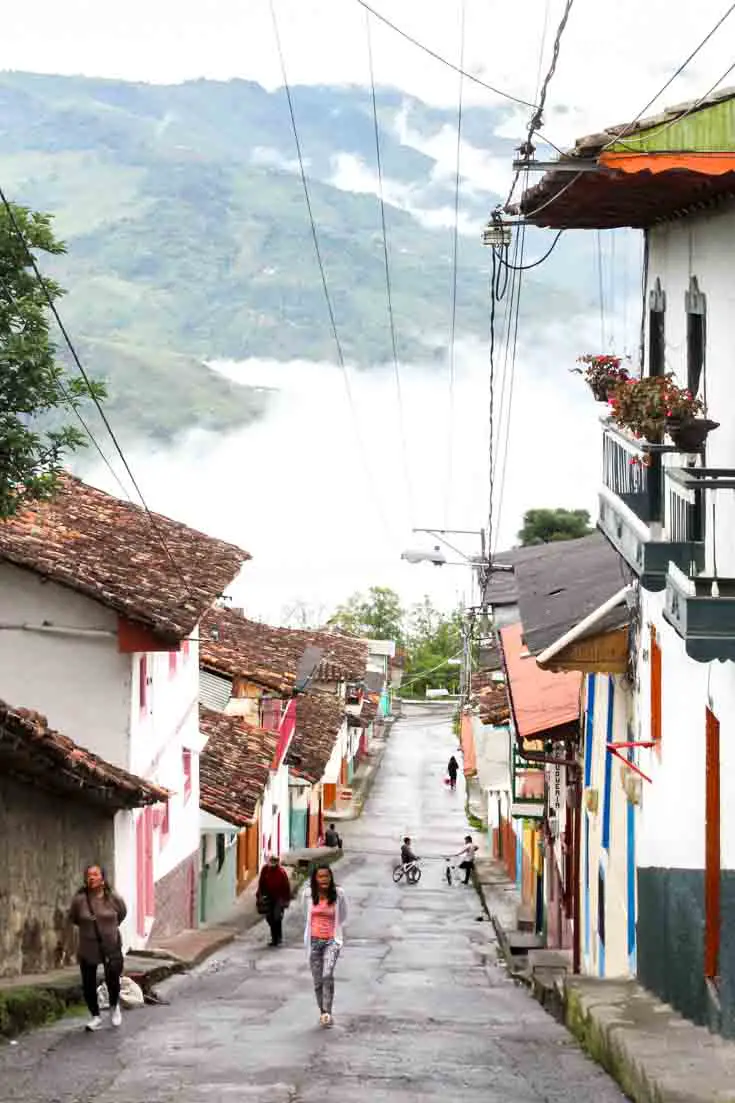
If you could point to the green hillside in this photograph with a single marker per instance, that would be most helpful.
(185, 243)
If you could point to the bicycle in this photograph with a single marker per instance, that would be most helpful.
(410, 870)
(451, 872)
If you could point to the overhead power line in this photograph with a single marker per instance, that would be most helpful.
(443, 60)
(88, 383)
(455, 258)
(674, 75)
(322, 271)
(388, 285)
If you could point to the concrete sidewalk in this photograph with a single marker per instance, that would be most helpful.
(34, 999)
(654, 1054)
(363, 779)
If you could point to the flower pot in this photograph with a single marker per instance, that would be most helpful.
(600, 390)
(689, 436)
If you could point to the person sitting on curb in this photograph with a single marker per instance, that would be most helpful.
(332, 838)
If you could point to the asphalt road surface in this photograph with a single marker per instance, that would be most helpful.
(422, 1009)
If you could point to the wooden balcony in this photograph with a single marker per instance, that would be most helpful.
(648, 518)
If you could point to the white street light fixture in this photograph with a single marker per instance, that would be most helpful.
(418, 555)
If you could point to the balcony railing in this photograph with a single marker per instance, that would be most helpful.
(632, 473)
(650, 514)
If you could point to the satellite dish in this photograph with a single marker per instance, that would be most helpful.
(308, 665)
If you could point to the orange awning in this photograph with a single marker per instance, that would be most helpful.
(541, 700)
(706, 164)
(468, 746)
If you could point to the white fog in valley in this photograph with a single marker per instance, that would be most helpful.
(323, 517)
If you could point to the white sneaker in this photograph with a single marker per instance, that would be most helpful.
(94, 1023)
(116, 1016)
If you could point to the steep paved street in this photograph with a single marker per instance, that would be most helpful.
(422, 1010)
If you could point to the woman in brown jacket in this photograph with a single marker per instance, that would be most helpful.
(98, 912)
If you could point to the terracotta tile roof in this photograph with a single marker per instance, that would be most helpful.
(234, 766)
(34, 753)
(270, 656)
(541, 700)
(109, 550)
(319, 717)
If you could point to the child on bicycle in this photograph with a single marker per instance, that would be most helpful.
(407, 854)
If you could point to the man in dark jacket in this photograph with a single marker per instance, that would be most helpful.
(274, 896)
(332, 838)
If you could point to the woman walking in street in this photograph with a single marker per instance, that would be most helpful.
(98, 912)
(452, 771)
(274, 896)
(325, 914)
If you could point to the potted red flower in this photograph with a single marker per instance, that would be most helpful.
(655, 405)
(602, 373)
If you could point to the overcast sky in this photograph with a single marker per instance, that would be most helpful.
(615, 55)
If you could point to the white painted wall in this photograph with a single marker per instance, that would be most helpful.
(81, 684)
(615, 859)
(275, 801)
(159, 737)
(702, 246)
(339, 751)
(124, 872)
(671, 829)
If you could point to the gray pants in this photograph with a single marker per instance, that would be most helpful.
(323, 959)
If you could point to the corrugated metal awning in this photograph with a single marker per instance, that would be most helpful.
(214, 690)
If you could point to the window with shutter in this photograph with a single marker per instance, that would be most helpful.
(143, 683)
(657, 330)
(186, 765)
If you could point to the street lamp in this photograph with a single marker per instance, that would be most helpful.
(417, 555)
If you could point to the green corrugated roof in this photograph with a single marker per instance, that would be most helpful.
(708, 129)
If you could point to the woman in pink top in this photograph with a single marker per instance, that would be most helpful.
(325, 912)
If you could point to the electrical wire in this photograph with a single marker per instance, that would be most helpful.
(600, 287)
(631, 125)
(88, 383)
(504, 466)
(536, 119)
(444, 61)
(322, 271)
(647, 135)
(455, 256)
(388, 285)
(533, 264)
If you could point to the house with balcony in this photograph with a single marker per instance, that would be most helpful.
(101, 603)
(667, 505)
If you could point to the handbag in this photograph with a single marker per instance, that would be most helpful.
(111, 959)
(261, 904)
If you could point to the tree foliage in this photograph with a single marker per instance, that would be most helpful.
(377, 615)
(546, 526)
(427, 636)
(32, 380)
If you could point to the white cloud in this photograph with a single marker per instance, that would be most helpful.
(272, 158)
(351, 174)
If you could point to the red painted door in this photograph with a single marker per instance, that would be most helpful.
(278, 834)
(140, 876)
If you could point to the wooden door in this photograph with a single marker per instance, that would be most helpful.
(712, 849)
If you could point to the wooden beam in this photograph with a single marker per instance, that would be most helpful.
(606, 653)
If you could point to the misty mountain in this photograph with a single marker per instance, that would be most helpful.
(188, 237)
